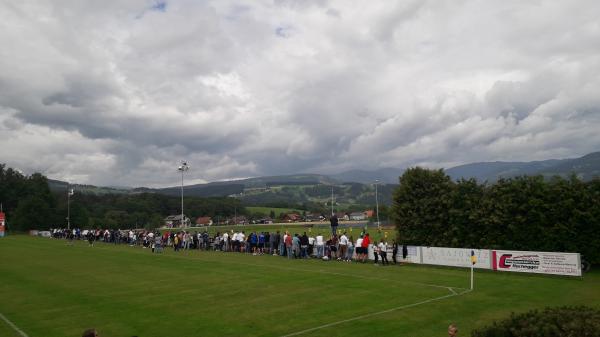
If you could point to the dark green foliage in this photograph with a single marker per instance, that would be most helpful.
(29, 204)
(421, 206)
(26, 200)
(522, 213)
(565, 321)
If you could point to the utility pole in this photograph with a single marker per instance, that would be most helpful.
(69, 194)
(377, 203)
(182, 168)
(332, 200)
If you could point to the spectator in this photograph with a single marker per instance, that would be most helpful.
(343, 246)
(288, 245)
(296, 245)
(365, 246)
(452, 330)
(320, 245)
(359, 249)
(304, 246)
(94, 333)
(350, 249)
(334, 224)
(311, 245)
(383, 252)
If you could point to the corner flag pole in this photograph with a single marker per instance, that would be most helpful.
(473, 261)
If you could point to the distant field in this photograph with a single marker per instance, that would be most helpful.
(48, 288)
(267, 210)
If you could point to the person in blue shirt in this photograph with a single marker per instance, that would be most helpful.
(253, 239)
(261, 243)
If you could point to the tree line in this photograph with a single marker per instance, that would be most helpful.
(521, 213)
(30, 204)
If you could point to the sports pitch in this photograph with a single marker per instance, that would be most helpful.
(48, 288)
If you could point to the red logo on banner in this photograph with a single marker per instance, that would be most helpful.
(2, 219)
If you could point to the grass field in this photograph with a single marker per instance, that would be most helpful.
(267, 210)
(48, 288)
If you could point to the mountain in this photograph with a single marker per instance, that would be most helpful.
(384, 175)
(586, 168)
(354, 186)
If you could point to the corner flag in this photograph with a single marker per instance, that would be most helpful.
(473, 257)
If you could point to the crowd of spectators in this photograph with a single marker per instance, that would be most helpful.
(292, 246)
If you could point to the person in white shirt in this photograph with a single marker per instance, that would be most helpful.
(242, 240)
(320, 244)
(348, 257)
(311, 245)
(343, 246)
(359, 249)
(225, 242)
(382, 250)
(236, 241)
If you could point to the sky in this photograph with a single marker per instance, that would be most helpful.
(118, 93)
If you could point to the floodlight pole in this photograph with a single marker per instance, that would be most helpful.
(69, 193)
(377, 203)
(332, 200)
(182, 168)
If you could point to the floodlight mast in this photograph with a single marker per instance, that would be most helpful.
(332, 200)
(182, 168)
(377, 203)
(69, 194)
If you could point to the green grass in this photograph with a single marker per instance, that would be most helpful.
(267, 210)
(48, 288)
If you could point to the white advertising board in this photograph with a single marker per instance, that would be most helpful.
(413, 254)
(456, 257)
(537, 262)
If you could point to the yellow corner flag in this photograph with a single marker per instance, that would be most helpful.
(473, 257)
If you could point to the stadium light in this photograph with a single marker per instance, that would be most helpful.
(70, 192)
(182, 168)
(377, 203)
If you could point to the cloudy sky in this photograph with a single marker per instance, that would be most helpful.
(118, 92)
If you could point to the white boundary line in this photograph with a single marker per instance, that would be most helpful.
(406, 306)
(12, 325)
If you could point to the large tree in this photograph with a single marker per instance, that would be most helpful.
(421, 206)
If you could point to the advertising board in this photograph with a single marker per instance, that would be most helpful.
(537, 262)
(456, 257)
(2, 223)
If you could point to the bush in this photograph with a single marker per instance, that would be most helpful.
(566, 321)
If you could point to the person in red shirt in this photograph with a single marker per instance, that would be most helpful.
(365, 245)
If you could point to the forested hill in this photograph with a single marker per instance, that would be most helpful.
(585, 168)
(298, 187)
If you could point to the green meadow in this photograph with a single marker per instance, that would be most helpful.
(49, 288)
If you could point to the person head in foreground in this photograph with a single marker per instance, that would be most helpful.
(90, 333)
(452, 330)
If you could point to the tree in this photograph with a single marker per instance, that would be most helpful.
(420, 206)
(32, 213)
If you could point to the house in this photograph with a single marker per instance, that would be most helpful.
(342, 216)
(238, 220)
(313, 217)
(204, 221)
(173, 221)
(292, 217)
(357, 216)
(369, 213)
